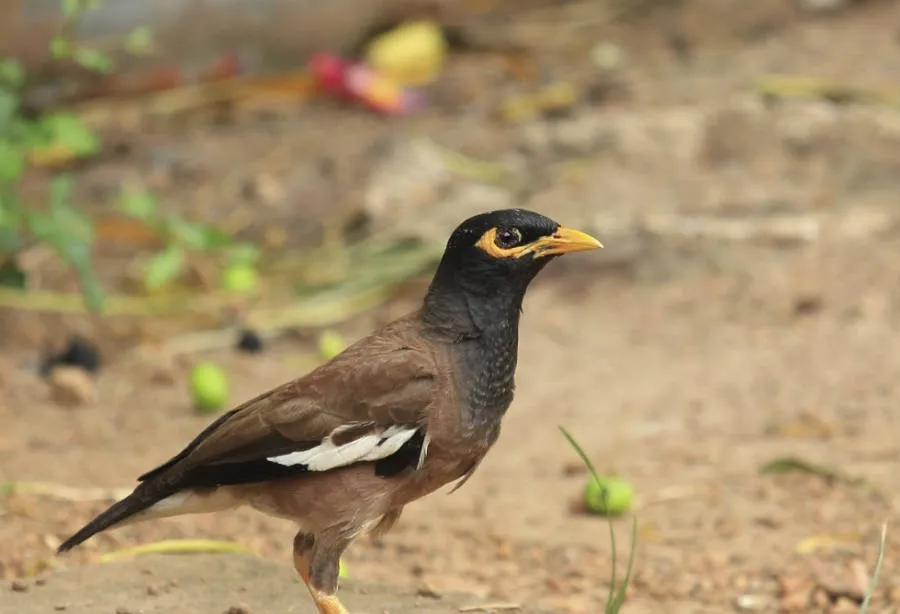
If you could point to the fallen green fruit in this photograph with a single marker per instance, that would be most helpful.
(331, 344)
(241, 278)
(608, 497)
(209, 387)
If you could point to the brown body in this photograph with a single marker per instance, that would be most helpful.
(394, 417)
(354, 499)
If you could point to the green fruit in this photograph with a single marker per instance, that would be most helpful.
(209, 387)
(343, 572)
(608, 497)
(330, 344)
(241, 278)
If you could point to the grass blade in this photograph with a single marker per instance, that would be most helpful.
(864, 607)
(616, 596)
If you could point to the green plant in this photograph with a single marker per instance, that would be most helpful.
(181, 239)
(873, 582)
(57, 224)
(616, 596)
(47, 138)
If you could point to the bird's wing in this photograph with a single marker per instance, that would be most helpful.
(367, 404)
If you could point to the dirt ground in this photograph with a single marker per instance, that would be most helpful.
(746, 310)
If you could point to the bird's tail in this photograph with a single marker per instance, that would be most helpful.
(119, 512)
(150, 501)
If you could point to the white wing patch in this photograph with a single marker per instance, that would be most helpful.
(370, 447)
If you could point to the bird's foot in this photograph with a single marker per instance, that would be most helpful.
(328, 604)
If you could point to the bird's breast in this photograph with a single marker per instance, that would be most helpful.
(486, 382)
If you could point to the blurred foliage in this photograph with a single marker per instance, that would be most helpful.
(181, 238)
(57, 223)
(46, 139)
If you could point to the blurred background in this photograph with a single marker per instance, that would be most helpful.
(203, 199)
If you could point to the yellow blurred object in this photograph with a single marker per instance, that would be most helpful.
(410, 54)
(555, 98)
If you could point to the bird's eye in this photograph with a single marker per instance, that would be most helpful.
(507, 237)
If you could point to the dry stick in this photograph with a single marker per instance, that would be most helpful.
(793, 86)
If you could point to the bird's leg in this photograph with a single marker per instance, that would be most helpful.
(318, 567)
(303, 545)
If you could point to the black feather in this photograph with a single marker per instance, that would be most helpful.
(142, 498)
(407, 457)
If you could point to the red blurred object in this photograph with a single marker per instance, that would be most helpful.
(191, 41)
(354, 81)
(330, 72)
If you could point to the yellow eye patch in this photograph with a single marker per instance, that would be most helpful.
(488, 244)
(563, 241)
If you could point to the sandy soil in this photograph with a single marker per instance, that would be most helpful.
(747, 310)
(241, 585)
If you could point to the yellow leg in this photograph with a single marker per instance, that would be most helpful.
(326, 603)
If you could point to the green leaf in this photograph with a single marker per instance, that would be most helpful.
(140, 41)
(12, 74)
(9, 109)
(70, 234)
(60, 48)
(71, 8)
(10, 240)
(93, 59)
(192, 236)
(138, 203)
(213, 238)
(69, 131)
(163, 267)
(12, 162)
(243, 254)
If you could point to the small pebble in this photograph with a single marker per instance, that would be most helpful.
(71, 386)
(238, 609)
(428, 592)
(18, 586)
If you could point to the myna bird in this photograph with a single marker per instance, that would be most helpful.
(402, 412)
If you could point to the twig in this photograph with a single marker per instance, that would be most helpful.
(491, 607)
(177, 546)
(794, 86)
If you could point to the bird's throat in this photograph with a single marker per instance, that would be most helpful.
(483, 335)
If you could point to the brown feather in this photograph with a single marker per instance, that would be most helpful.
(385, 379)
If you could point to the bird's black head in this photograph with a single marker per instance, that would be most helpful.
(492, 257)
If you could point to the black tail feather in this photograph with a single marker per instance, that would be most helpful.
(136, 502)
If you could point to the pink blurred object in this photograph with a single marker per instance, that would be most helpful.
(356, 82)
(194, 41)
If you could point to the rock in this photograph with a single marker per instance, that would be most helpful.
(71, 386)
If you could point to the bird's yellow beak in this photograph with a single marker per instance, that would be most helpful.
(563, 241)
